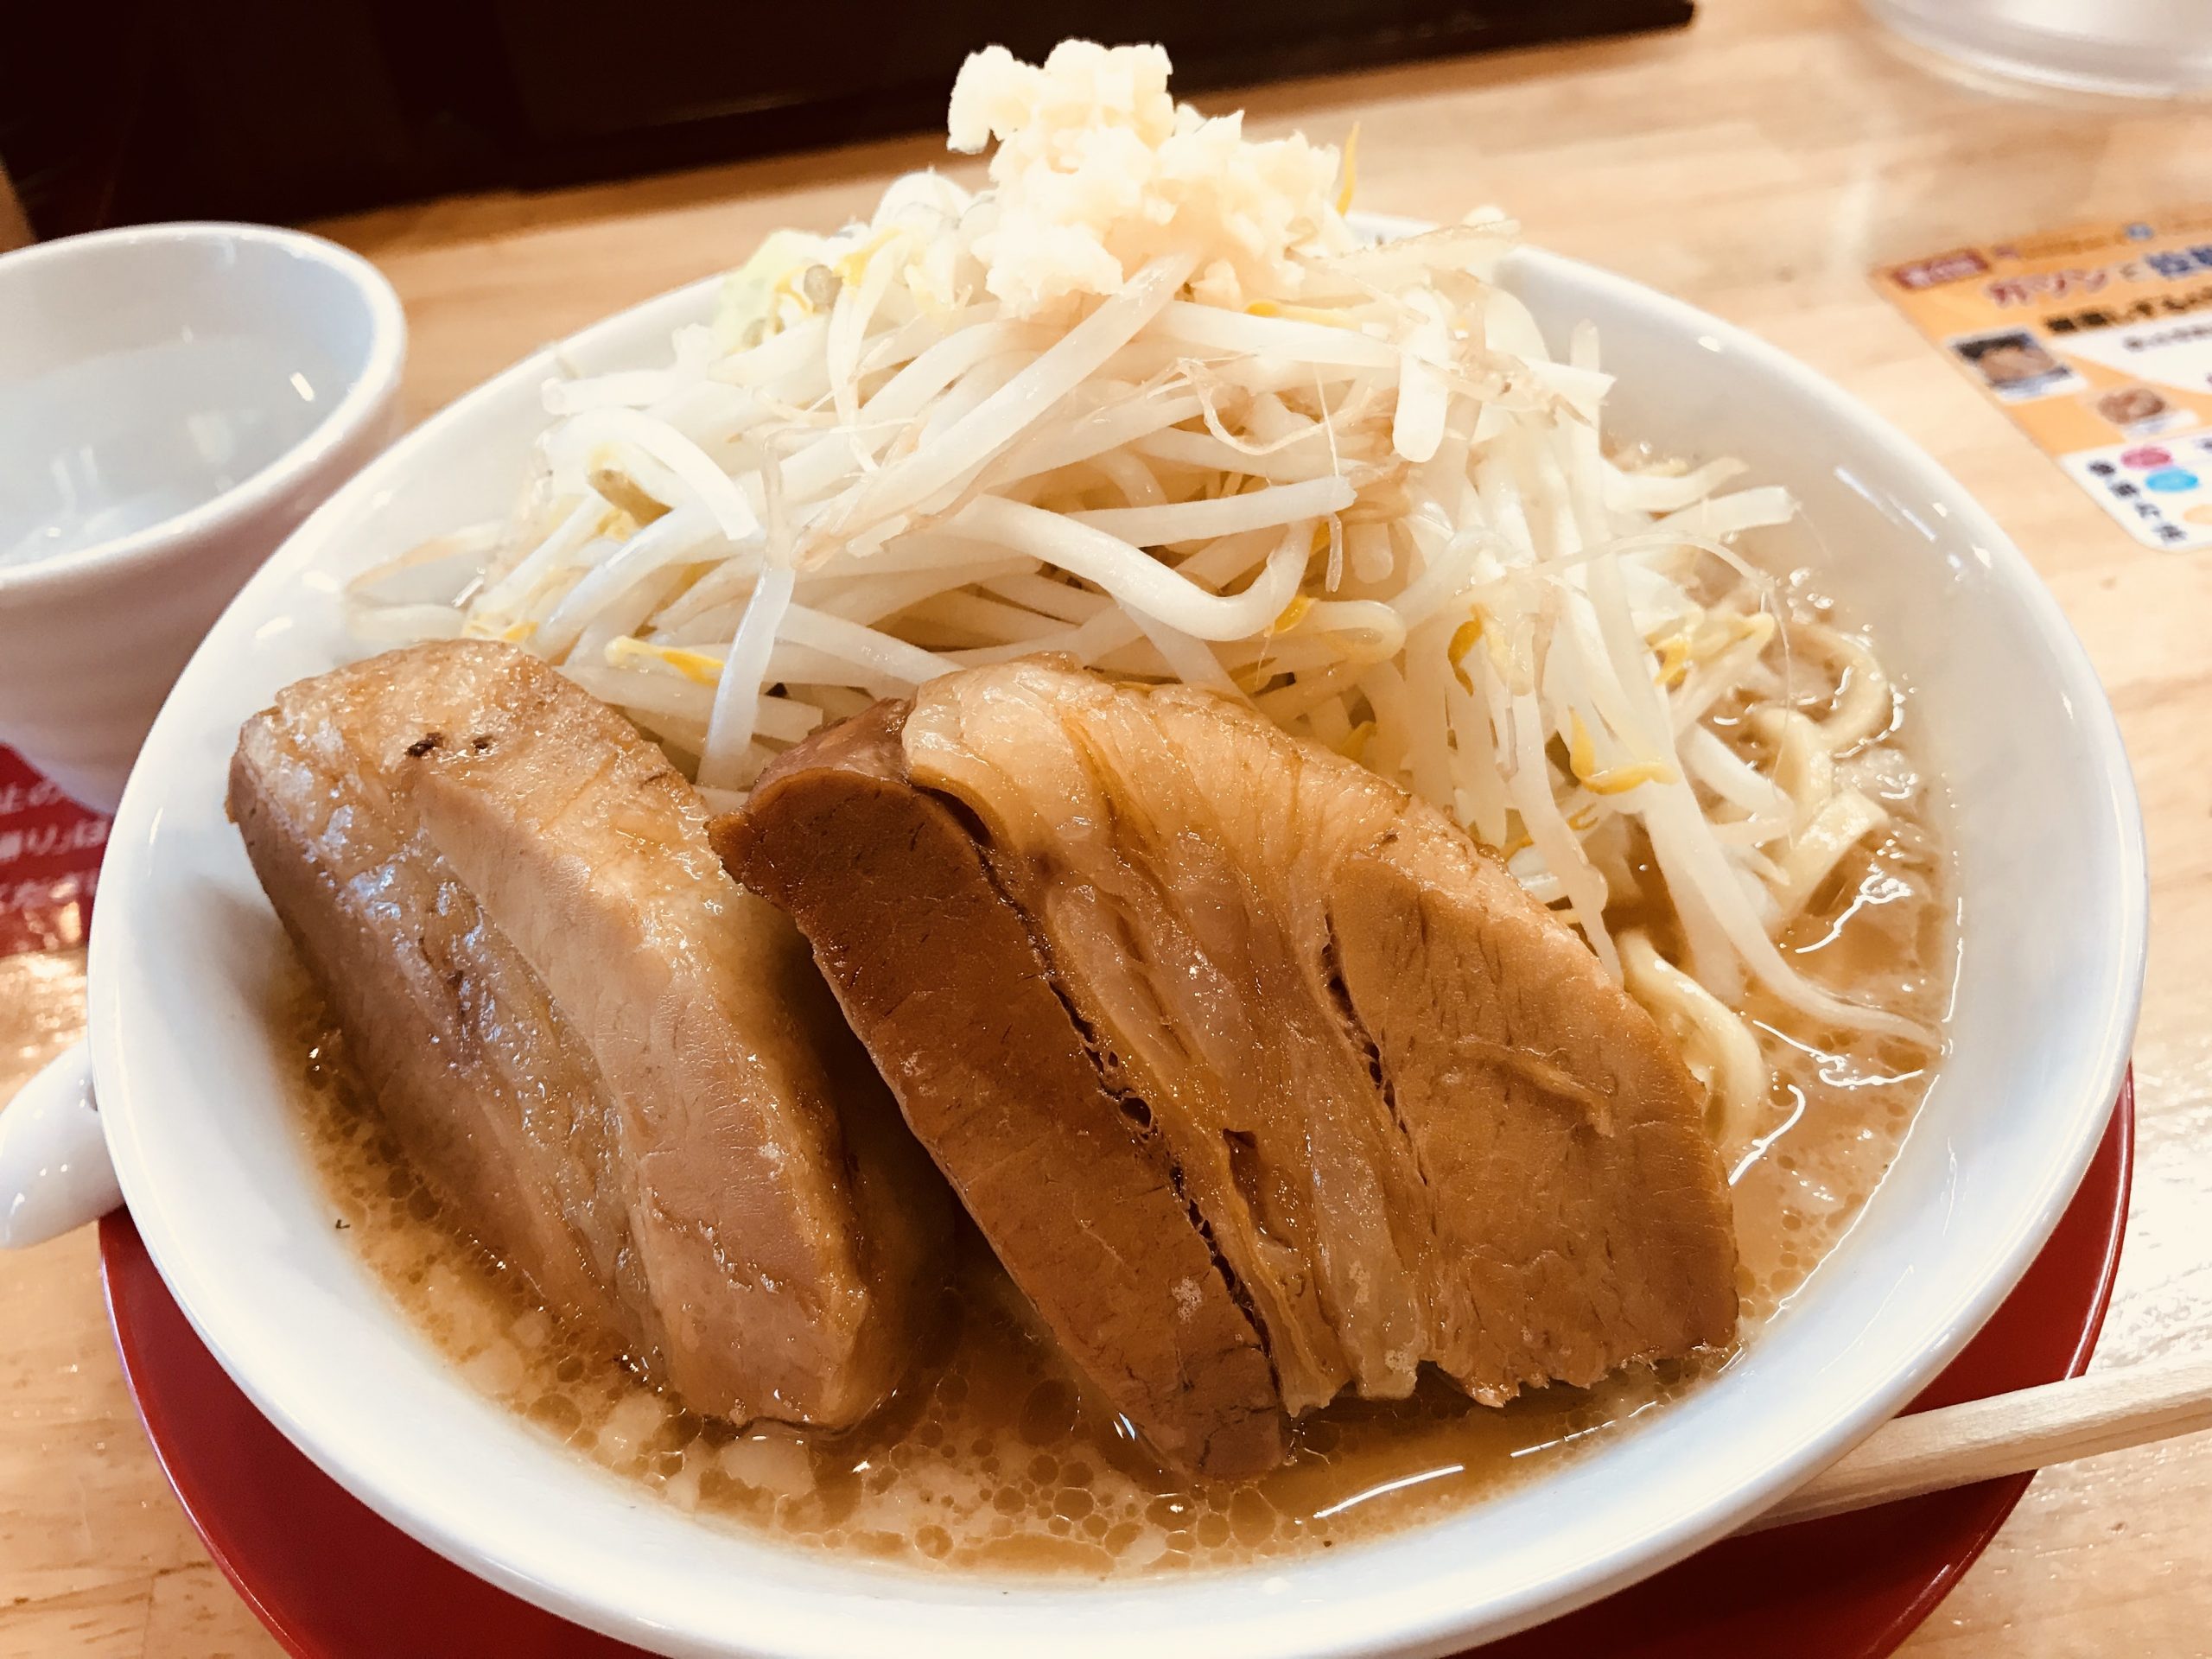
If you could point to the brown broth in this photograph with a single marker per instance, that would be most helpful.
(995, 1459)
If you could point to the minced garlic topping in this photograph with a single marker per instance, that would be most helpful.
(1098, 169)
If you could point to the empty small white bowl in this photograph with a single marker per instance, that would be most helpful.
(175, 399)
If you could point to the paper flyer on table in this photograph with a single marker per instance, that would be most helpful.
(2098, 342)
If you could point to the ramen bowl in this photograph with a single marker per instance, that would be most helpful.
(199, 1087)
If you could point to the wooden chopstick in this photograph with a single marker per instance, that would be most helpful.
(2007, 1434)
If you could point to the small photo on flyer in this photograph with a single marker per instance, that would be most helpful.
(2015, 365)
(2140, 412)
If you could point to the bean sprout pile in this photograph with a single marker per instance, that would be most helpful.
(1147, 401)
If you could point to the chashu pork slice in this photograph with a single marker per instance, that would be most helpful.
(1407, 1115)
(621, 1072)
(952, 992)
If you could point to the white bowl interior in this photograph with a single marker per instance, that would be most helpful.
(144, 372)
(197, 1091)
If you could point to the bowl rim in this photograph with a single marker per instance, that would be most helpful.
(1397, 1618)
(367, 392)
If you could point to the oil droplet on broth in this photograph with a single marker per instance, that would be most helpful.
(993, 1457)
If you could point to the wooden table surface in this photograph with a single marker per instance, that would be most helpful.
(1757, 164)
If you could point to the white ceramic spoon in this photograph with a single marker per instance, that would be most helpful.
(55, 1172)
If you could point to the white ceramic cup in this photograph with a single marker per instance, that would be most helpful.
(175, 399)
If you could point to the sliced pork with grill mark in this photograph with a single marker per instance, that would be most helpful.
(1405, 1113)
(620, 1071)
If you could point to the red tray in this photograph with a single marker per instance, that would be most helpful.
(333, 1581)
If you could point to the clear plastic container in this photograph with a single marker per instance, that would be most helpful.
(2131, 48)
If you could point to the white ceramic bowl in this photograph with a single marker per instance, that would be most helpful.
(173, 400)
(195, 1086)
